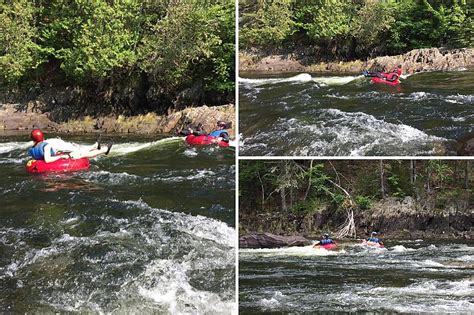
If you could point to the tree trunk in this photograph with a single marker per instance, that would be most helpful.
(428, 180)
(456, 170)
(412, 172)
(466, 175)
(283, 199)
(291, 197)
(309, 179)
(382, 174)
(263, 190)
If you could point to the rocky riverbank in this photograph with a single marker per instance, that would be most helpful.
(418, 60)
(397, 218)
(30, 115)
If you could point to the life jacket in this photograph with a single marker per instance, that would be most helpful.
(217, 133)
(37, 151)
(325, 241)
(373, 239)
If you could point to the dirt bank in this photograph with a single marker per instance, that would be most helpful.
(28, 116)
(418, 60)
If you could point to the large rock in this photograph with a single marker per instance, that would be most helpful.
(417, 60)
(427, 59)
(408, 218)
(465, 145)
(268, 240)
(30, 115)
(15, 117)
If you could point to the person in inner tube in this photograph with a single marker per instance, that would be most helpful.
(42, 150)
(220, 134)
(324, 241)
(388, 76)
(374, 239)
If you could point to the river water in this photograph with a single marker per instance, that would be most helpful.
(317, 115)
(149, 228)
(415, 276)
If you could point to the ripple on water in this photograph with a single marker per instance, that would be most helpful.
(340, 133)
(161, 260)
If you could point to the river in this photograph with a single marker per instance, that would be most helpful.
(320, 115)
(409, 276)
(149, 228)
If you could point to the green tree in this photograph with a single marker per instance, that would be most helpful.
(268, 23)
(371, 25)
(19, 51)
(189, 39)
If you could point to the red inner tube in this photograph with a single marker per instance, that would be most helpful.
(59, 166)
(379, 80)
(205, 140)
(327, 246)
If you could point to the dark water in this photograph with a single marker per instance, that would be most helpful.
(431, 277)
(347, 115)
(149, 228)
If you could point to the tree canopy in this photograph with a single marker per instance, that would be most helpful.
(163, 46)
(304, 186)
(358, 28)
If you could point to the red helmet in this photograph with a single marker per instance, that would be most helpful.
(37, 135)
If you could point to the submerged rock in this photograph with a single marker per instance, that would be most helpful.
(268, 240)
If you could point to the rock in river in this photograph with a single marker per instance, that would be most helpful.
(268, 240)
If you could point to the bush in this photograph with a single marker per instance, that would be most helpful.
(363, 202)
(309, 206)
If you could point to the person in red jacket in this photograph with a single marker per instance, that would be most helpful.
(388, 76)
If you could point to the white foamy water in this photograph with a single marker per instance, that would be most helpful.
(302, 78)
(338, 131)
(130, 147)
(272, 302)
(194, 246)
(336, 95)
(301, 251)
(454, 99)
(200, 226)
(461, 99)
(11, 161)
(401, 249)
(190, 152)
(174, 292)
(6, 147)
(432, 288)
(426, 297)
(110, 177)
(341, 80)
